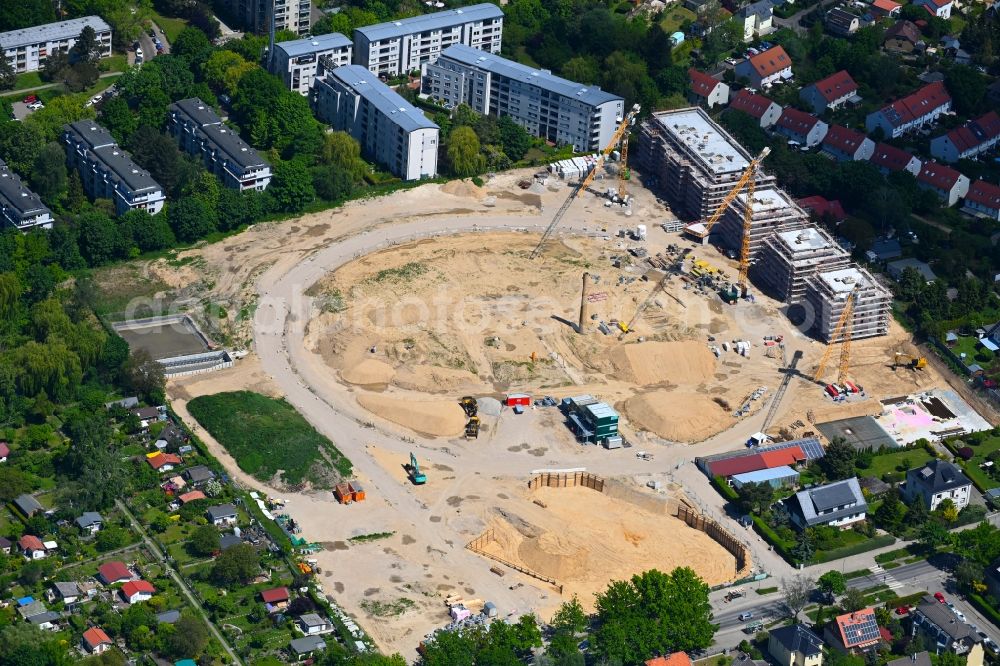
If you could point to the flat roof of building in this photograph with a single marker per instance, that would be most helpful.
(382, 97)
(198, 111)
(767, 200)
(717, 151)
(118, 161)
(845, 280)
(809, 238)
(235, 148)
(435, 21)
(317, 44)
(541, 78)
(861, 432)
(13, 193)
(765, 475)
(51, 32)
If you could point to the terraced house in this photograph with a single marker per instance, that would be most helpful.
(973, 138)
(911, 112)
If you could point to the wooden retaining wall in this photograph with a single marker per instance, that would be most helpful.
(489, 536)
(567, 480)
(720, 535)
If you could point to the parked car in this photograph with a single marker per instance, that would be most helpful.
(746, 616)
(940, 597)
(31, 99)
(903, 610)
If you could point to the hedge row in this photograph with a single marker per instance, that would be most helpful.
(846, 551)
(780, 546)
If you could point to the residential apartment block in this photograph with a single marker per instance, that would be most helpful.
(827, 294)
(694, 160)
(398, 47)
(19, 206)
(107, 171)
(973, 138)
(789, 259)
(830, 93)
(297, 62)
(200, 132)
(911, 112)
(390, 130)
(255, 15)
(765, 68)
(26, 49)
(772, 211)
(547, 106)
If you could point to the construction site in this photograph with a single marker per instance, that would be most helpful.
(461, 344)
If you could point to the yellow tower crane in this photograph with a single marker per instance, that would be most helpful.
(748, 182)
(842, 332)
(623, 172)
(619, 134)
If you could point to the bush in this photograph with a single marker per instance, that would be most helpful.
(965, 453)
(725, 489)
(477, 181)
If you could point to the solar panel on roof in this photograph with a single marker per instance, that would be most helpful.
(865, 630)
(831, 497)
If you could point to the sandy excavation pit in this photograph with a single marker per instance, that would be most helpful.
(410, 328)
(585, 539)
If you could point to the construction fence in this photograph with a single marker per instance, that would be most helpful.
(489, 536)
(720, 535)
(567, 480)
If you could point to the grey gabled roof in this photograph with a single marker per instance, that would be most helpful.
(221, 511)
(28, 505)
(541, 78)
(918, 659)
(42, 618)
(317, 44)
(67, 589)
(435, 21)
(313, 620)
(307, 644)
(814, 500)
(101, 144)
(797, 638)
(940, 475)
(386, 100)
(941, 616)
(89, 518)
(51, 32)
(228, 541)
(199, 473)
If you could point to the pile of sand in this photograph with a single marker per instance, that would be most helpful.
(684, 362)
(678, 416)
(434, 418)
(435, 379)
(463, 188)
(368, 372)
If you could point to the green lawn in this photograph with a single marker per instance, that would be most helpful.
(898, 461)
(675, 17)
(171, 27)
(267, 436)
(28, 80)
(974, 353)
(116, 63)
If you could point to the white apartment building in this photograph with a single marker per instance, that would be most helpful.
(200, 132)
(297, 62)
(398, 47)
(19, 206)
(107, 171)
(255, 15)
(390, 130)
(547, 106)
(26, 49)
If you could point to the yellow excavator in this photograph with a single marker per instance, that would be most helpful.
(908, 360)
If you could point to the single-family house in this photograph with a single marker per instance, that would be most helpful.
(222, 514)
(973, 138)
(227, 541)
(837, 504)
(889, 159)
(275, 599)
(885, 9)
(312, 624)
(706, 90)
(801, 127)
(90, 522)
(47, 621)
(918, 659)
(937, 481)
(5, 545)
(28, 505)
(113, 572)
(830, 93)
(95, 641)
(163, 462)
(760, 107)
(896, 268)
(67, 592)
(757, 18)
(795, 646)
(919, 108)
(938, 8)
(983, 200)
(854, 632)
(947, 183)
(304, 647)
(847, 145)
(902, 37)
(168, 617)
(148, 415)
(937, 623)
(672, 659)
(4, 452)
(135, 591)
(764, 69)
(31, 547)
(841, 22)
(191, 496)
(199, 474)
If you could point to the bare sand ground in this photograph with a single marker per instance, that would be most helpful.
(433, 418)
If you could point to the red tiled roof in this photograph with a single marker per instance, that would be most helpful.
(135, 586)
(790, 456)
(938, 3)
(750, 103)
(823, 207)
(30, 542)
(938, 175)
(159, 460)
(4, 450)
(95, 636)
(976, 132)
(770, 61)
(701, 84)
(886, 6)
(275, 595)
(917, 104)
(676, 659)
(845, 140)
(890, 157)
(984, 194)
(797, 121)
(114, 571)
(850, 625)
(192, 496)
(836, 86)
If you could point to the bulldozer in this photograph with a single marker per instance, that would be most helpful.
(908, 360)
(472, 428)
(468, 403)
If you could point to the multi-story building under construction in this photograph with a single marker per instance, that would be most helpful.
(694, 161)
(789, 258)
(827, 293)
(773, 211)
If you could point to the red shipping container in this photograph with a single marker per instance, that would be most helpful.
(518, 399)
